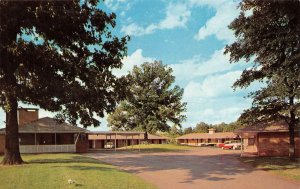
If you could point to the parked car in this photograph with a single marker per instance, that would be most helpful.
(109, 145)
(233, 144)
(220, 145)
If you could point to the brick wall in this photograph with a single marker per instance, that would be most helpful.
(27, 116)
(99, 144)
(82, 146)
(276, 144)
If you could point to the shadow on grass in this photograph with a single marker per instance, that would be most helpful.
(272, 163)
(72, 159)
(86, 168)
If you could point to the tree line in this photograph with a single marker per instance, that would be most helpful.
(203, 127)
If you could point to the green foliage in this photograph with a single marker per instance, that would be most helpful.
(152, 101)
(201, 128)
(270, 36)
(58, 55)
(187, 130)
(230, 127)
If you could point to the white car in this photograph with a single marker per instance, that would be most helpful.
(233, 144)
(109, 145)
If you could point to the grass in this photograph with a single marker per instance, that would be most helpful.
(159, 147)
(277, 165)
(50, 171)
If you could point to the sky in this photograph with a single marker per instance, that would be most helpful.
(190, 37)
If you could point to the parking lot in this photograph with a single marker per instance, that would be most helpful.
(200, 167)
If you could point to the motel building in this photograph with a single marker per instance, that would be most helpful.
(46, 135)
(210, 138)
(118, 139)
(270, 139)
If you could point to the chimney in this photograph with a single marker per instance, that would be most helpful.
(27, 115)
(211, 131)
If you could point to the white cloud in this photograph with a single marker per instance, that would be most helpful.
(177, 15)
(134, 29)
(115, 5)
(197, 67)
(212, 86)
(136, 58)
(217, 25)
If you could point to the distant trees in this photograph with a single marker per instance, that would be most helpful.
(152, 101)
(269, 35)
(203, 127)
(188, 130)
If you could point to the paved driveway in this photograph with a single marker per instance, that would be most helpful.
(201, 168)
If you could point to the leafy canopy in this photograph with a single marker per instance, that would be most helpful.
(58, 55)
(270, 36)
(152, 101)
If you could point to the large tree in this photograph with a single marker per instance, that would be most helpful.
(268, 33)
(152, 100)
(57, 55)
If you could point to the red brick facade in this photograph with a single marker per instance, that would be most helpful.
(275, 144)
(27, 116)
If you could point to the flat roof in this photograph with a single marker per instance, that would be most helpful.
(208, 135)
(115, 132)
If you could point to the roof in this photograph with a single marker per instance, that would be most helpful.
(280, 126)
(122, 135)
(49, 125)
(115, 132)
(208, 136)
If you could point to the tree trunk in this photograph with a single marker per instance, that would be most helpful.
(292, 154)
(292, 123)
(12, 152)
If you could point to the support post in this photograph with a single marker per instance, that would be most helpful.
(115, 142)
(55, 142)
(132, 142)
(139, 142)
(105, 141)
(36, 147)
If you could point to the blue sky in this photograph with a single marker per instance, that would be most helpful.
(189, 36)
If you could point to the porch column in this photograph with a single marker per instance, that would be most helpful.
(36, 147)
(55, 141)
(132, 141)
(115, 142)
(105, 140)
(139, 142)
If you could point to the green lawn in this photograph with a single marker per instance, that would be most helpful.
(159, 147)
(52, 171)
(279, 166)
